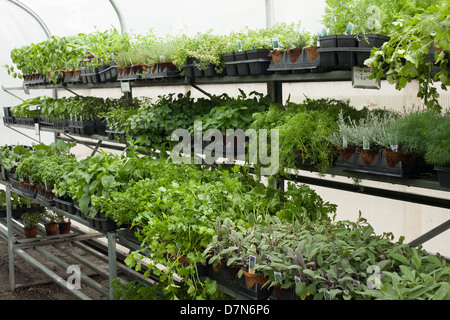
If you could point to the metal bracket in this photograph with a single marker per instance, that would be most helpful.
(204, 92)
(431, 234)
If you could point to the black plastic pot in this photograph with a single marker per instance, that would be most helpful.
(108, 73)
(259, 61)
(328, 59)
(231, 68)
(102, 224)
(243, 67)
(86, 127)
(65, 205)
(346, 58)
(369, 41)
(443, 174)
(89, 75)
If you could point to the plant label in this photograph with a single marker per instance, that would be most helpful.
(349, 29)
(366, 144)
(344, 142)
(251, 264)
(277, 276)
(125, 86)
(361, 79)
(276, 44)
(239, 45)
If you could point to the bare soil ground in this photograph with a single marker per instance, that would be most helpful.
(25, 273)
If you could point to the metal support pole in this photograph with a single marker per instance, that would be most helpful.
(91, 283)
(99, 143)
(123, 26)
(430, 234)
(34, 15)
(269, 13)
(12, 283)
(112, 262)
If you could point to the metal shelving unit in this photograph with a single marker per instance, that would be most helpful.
(274, 89)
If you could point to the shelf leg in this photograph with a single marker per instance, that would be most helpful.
(10, 237)
(112, 262)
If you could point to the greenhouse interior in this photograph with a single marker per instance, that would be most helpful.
(148, 154)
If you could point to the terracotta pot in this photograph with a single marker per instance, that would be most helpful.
(30, 232)
(276, 55)
(64, 227)
(169, 65)
(217, 267)
(294, 54)
(51, 229)
(232, 272)
(368, 155)
(280, 292)
(252, 279)
(77, 73)
(346, 152)
(393, 157)
(312, 53)
(409, 158)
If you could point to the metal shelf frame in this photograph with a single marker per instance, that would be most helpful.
(17, 246)
(275, 91)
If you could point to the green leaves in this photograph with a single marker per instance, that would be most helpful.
(417, 32)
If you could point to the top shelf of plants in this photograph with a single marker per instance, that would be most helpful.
(364, 33)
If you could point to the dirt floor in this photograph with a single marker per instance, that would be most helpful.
(25, 273)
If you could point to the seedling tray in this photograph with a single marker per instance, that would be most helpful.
(82, 127)
(378, 166)
(102, 224)
(9, 120)
(160, 72)
(302, 64)
(115, 136)
(89, 75)
(225, 279)
(46, 201)
(65, 205)
(26, 121)
(108, 73)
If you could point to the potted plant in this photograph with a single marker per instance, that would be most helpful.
(51, 225)
(438, 147)
(63, 224)
(31, 220)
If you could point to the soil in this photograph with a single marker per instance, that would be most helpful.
(25, 272)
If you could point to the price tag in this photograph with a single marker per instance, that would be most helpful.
(125, 86)
(360, 79)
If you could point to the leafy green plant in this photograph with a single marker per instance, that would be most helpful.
(438, 141)
(31, 219)
(405, 56)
